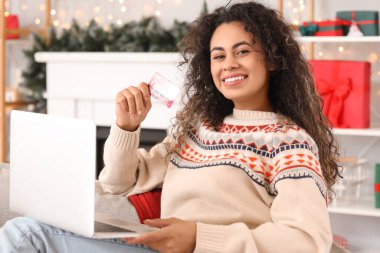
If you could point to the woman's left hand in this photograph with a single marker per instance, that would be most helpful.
(175, 235)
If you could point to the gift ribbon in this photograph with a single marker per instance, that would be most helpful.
(377, 187)
(335, 94)
(308, 29)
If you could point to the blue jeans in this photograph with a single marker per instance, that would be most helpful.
(27, 235)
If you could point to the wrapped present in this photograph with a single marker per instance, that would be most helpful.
(345, 89)
(367, 21)
(322, 28)
(308, 28)
(11, 22)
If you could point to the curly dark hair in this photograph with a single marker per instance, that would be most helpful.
(292, 92)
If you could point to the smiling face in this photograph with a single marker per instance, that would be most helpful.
(238, 68)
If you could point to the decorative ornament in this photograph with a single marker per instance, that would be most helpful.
(354, 30)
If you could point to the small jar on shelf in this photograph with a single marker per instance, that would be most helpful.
(354, 189)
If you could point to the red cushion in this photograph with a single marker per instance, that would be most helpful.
(147, 205)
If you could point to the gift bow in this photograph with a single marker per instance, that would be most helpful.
(333, 95)
(308, 29)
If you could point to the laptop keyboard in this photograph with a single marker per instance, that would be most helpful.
(102, 227)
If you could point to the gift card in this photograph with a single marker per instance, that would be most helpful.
(163, 90)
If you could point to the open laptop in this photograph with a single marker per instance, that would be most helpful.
(52, 175)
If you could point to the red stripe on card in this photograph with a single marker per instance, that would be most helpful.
(377, 187)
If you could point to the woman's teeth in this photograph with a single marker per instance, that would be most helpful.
(233, 79)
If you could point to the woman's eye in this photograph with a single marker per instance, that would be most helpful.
(218, 57)
(242, 52)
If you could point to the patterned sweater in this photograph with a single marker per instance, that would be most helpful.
(254, 185)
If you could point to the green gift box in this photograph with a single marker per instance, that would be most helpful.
(368, 21)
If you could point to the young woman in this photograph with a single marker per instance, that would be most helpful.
(252, 160)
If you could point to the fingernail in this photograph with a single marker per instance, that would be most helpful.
(133, 115)
(147, 220)
(140, 112)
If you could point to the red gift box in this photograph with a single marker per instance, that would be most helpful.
(345, 89)
(11, 22)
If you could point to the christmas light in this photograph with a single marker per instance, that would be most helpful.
(123, 9)
(177, 1)
(42, 7)
(373, 57)
(296, 22)
(295, 10)
(121, 1)
(53, 12)
(56, 23)
(109, 17)
(340, 49)
(37, 21)
(97, 9)
(157, 13)
(24, 7)
(6, 13)
(159, 1)
(320, 53)
(111, 1)
(290, 4)
(119, 22)
(98, 20)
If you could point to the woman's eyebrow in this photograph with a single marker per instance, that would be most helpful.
(233, 47)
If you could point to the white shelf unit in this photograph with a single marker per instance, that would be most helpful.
(374, 132)
(21, 43)
(358, 211)
(339, 39)
(358, 222)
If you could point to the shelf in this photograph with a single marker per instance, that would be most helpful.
(360, 211)
(357, 132)
(17, 42)
(15, 104)
(338, 39)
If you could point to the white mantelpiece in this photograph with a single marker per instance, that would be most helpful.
(84, 84)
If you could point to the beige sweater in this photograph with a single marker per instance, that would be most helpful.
(254, 185)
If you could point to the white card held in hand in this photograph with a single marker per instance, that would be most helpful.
(163, 90)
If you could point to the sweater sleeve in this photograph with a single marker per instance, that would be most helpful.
(299, 217)
(129, 170)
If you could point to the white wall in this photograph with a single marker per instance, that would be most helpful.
(188, 10)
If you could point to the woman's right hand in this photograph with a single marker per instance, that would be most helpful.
(132, 106)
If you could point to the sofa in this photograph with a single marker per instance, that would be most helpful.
(118, 206)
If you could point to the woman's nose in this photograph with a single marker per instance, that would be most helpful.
(230, 63)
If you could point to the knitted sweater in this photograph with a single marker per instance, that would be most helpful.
(253, 185)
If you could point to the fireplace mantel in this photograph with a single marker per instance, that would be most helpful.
(84, 84)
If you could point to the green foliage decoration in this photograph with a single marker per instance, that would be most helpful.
(144, 36)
